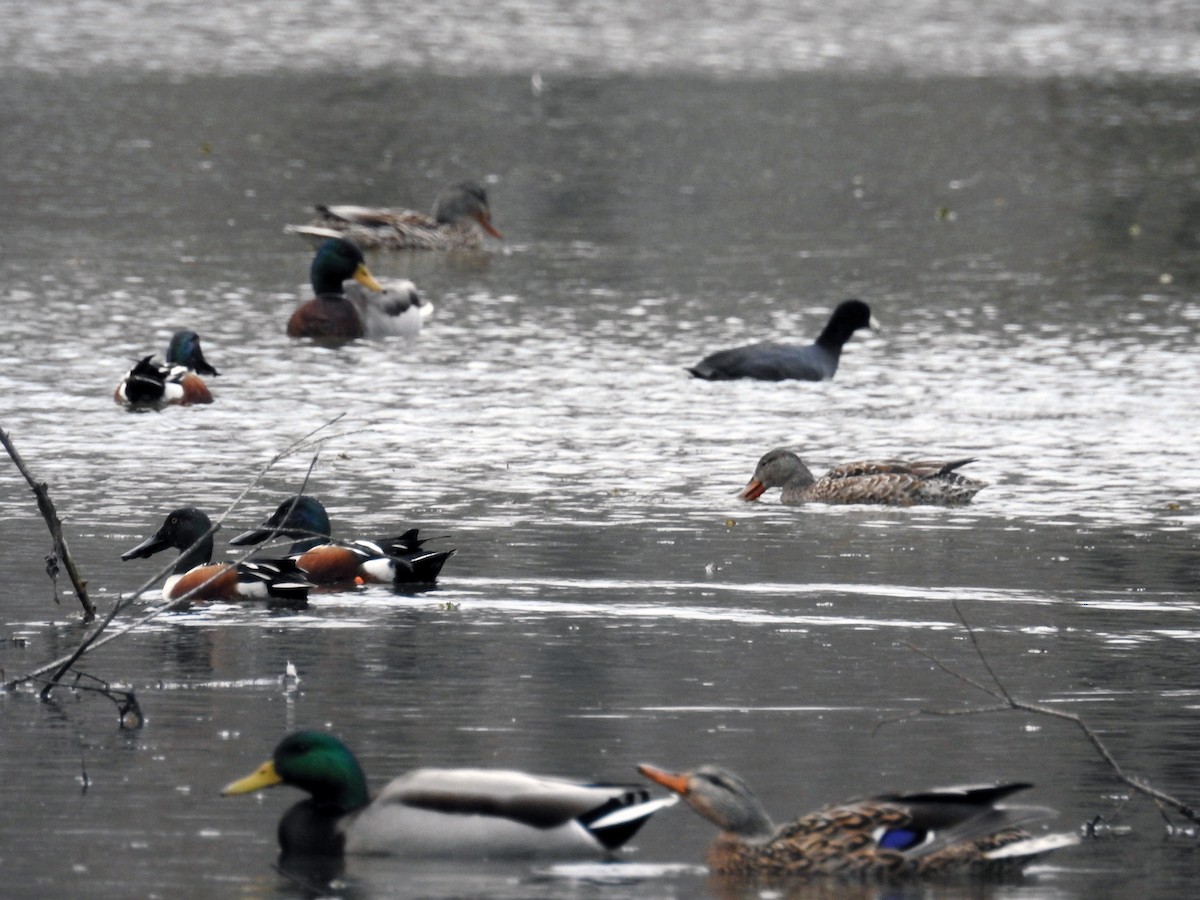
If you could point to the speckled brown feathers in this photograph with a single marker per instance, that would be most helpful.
(890, 482)
(460, 218)
(840, 841)
(943, 831)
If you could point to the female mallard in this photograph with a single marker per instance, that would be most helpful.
(442, 812)
(958, 830)
(889, 482)
(772, 361)
(341, 311)
(190, 531)
(395, 560)
(460, 216)
(152, 385)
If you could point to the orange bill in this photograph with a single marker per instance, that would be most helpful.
(669, 780)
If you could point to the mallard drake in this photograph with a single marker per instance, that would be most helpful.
(150, 384)
(396, 560)
(889, 482)
(442, 812)
(460, 216)
(943, 831)
(332, 315)
(772, 361)
(191, 532)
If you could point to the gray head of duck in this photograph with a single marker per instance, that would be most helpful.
(720, 796)
(466, 199)
(780, 467)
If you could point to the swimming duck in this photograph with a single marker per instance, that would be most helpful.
(151, 384)
(460, 216)
(943, 831)
(395, 560)
(190, 531)
(772, 361)
(331, 315)
(442, 812)
(889, 482)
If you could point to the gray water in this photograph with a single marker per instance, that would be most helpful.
(1012, 189)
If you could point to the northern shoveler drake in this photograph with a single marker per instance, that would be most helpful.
(191, 532)
(943, 831)
(889, 482)
(390, 560)
(331, 315)
(442, 812)
(151, 384)
(460, 217)
(772, 361)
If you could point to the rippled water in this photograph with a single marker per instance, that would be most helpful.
(1029, 244)
(759, 37)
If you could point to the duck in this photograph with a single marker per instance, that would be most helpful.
(398, 560)
(190, 530)
(433, 812)
(334, 315)
(460, 218)
(773, 361)
(887, 482)
(941, 831)
(153, 385)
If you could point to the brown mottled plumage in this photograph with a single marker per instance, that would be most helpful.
(889, 482)
(460, 217)
(895, 836)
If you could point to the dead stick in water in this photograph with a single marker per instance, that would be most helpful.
(50, 514)
(1008, 702)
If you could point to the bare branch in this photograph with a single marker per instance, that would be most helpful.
(50, 514)
(1160, 798)
(96, 638)
(959, 675)
(979, 651)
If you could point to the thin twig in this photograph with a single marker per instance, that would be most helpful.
(50, 514)
(979, 652)
(1161, 798)
(96, 637)
(959, 675)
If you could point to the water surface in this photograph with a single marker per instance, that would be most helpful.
(1028, 240)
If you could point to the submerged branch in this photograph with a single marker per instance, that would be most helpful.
(50, 514)
(1008, 702)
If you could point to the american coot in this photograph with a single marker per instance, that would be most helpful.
(773, 361)
(942, 831)
(890, 482)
